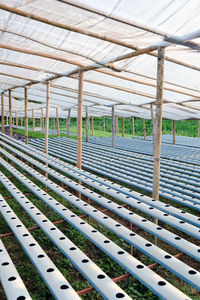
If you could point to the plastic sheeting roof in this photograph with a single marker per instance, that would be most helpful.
(138, 24)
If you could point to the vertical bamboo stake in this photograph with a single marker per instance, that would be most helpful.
(54, 124)
(21, 121)
(79, 120)
(173, 130)
(152, 121)
(68, 123)
(104, 124)
(7, 118)
(57, 118)
(47, 117)
(86, 123)
(47, 122)
(116, 126)
(2, 113)
(158, 126)
(10, 111)
(113, 126)
(144, 129)
(16, 116)
(42, 112)
(198, 128)
(92, 118)
(133, 120)
(33, 120)
(26, 113)
(122, 126)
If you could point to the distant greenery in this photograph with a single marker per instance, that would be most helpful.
(186, 128)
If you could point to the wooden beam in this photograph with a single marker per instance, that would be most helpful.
(10, 111)
(86, 123)
(133, 123)
(113, 126)
(2, 113)
(174, 131)
(68, 123)
(57, 118)
(33, 119)
(144, 129)
(123, 126)
(47, 117)
(26, 113)
(158, 123)
(92, 119)
(79, 121)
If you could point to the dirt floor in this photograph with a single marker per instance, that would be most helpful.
(16, 136)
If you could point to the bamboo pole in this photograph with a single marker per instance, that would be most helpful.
(92, 119)
(86, 123)
(144, 129)
(116, 125)
(47, 117)
(174, 131)
(133, 120)
(7, 118)
(10, 112)
(152, 121)
(113, 126)
(57, 118)
(122, 126)
(33, 119)
(16, 116)
(42, 113)
(198, 128)
(158, 127)
(2, 113)
(26, 113)
(68, 123)
(79, 120)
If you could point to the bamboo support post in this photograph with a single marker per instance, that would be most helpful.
(174, 131)
(79, 120)
(57, 118)
(158, 127)
(92, 119)
(68, 123)
(86, 123)
(42, 113)
(133, 123)
(144, 129)
(47, 116)
(16, 117)
(2, 113)
(10, 112)
(116, 125)
(152, 121)
(54, 124)
(26, 113)
(198, 128)
(122, 126)
(33, 119)
(113, 126)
